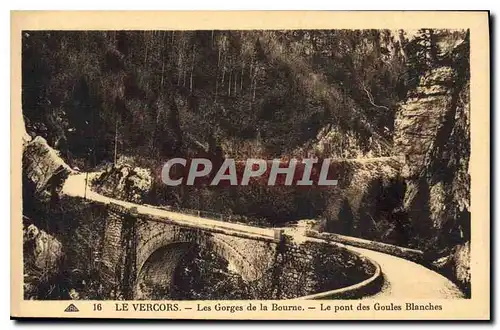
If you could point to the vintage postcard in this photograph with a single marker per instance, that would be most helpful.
(250, 165)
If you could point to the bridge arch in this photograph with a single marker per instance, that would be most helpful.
(161, 247)
(159, 268)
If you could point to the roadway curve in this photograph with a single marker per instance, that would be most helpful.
(402, 278)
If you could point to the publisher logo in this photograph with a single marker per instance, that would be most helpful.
(71, 308)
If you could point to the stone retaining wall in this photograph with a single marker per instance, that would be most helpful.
(411, 254)
(316, 268)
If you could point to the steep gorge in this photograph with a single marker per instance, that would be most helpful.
(146, 96)
(433, 132)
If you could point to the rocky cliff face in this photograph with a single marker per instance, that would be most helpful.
(43, 168)
(42, 257)
(432, 131)
(364, 206)
(125, 182)
(421, 116)
(43, 248)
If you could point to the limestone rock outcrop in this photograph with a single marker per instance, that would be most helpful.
(44, 250)
(43, 165)
(432, 132)
(368, 192)
(421, 116)
(125, 182)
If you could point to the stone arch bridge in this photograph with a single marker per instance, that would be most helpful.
(142, 239)
(138, 247)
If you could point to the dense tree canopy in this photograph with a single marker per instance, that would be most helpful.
(150, 95)
(159, 93)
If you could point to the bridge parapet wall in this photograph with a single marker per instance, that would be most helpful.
(399, 251)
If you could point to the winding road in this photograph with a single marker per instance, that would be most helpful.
(402, 278)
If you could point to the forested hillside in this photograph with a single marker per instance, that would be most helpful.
(145, 96)
(164, 93)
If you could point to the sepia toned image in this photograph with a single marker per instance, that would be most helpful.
(198, 170)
